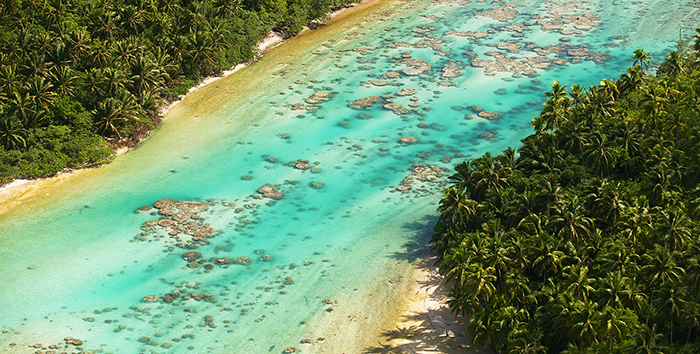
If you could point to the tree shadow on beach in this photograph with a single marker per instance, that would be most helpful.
(418, 245)
(421, 338)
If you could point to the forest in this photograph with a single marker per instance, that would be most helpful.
(585, 239)
(79, 79)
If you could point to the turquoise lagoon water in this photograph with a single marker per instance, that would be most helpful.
(79, 265)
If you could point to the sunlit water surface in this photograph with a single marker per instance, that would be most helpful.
(328, 259)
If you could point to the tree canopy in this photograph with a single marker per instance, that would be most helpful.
(81, 77)
(588, 241)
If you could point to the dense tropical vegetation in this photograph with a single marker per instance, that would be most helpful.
(587, 240)
(78, 78)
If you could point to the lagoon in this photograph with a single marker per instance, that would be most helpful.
(333, 258)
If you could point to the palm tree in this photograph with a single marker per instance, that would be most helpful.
(463, 172)
(585, 322)
(691, 316)
(127, 51)
(106, 25)
(673, 298)
(550, 195)
(456, 208)
(199, 52)
(162, 24)
(114, 81)
(620, 258)
(19, 106)
(641, 58)
(553, 113)
(12, 134)
(659, 186)
(673, 65)
(636, 223)
(653, 105)
(40, 93)
(611, 290)
(577, 282)
(78, 43)
(607, 203)
(145, 76)
(660, 270)
(10, 81)
(632, 79)
(601, 155)
(627, 137)
(58, 55)
(226, 8)
(480, 283)
(601, 105)
(94, 81)
(35, 65)
(64, 80)
(131, 19)
(578, 95)
(572, 224)
(573, 138)
(486, 178)
(481, 327)
(455, 265)
(613, 325)
(112, 114)
(647, 342)
(546, 259)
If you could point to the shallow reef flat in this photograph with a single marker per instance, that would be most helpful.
(283, 209)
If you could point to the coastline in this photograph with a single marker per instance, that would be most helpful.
(420, 307)
(18, 187)
(425, 323)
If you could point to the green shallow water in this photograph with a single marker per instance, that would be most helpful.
(73, 265)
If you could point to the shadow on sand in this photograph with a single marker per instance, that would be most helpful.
(427, 326)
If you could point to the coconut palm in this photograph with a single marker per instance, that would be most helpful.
(607, 202)
(611, 290)
(12, 133)
(641, 58)
(114, 81)
(145, 76)
(456, 208)
(34, 65)
(673, 65)
(672, 299)
(659, 186)
(690, 313)
(112, 114)
(632, 79)
(577, 283)
(618, 257)
(547, 260)
(10, 81)
(572, 224)
(601, 154)
(585, 324)
(64, 80)
(673, 227)
(39, 92)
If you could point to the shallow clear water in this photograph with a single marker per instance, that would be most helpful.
(77, 264)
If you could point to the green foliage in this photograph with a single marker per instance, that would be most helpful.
(588, 241)
(103, 67)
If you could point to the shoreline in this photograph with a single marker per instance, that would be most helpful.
(419, 311)
(271, 41)
(425, 324)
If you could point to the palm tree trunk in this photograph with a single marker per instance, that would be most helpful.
(671, 341)
(650, 302)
